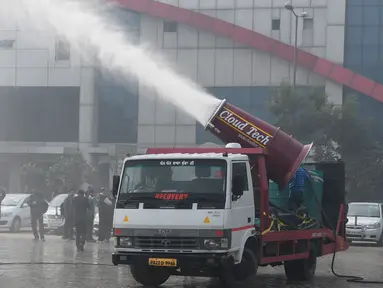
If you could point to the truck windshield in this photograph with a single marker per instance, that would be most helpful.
(194, 176)
(363, 210)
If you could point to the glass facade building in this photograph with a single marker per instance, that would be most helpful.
(39, 114)
(364, 51)
(118, 101)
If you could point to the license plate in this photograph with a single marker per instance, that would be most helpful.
(55, 223)
(353, 233)
(162, 262)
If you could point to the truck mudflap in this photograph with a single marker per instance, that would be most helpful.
(173, 260)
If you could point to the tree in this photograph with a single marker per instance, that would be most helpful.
(32, 177)
(306, 116)
(335, 131)
(68, 173)
(362, 152)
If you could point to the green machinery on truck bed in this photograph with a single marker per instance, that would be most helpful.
(312, 195)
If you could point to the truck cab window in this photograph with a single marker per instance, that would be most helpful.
(240, 169)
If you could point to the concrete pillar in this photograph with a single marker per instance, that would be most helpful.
(88, 126)
(336, 18)
(14, 176)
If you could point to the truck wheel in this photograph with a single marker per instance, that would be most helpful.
(242, 274)
(149, 276)
(303, 269)
(16, 225)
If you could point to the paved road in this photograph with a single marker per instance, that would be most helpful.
(364, 261)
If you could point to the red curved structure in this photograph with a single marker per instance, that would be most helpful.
(258, 41)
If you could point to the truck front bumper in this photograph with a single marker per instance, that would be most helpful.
(183, 259)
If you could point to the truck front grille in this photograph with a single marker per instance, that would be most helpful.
(166, 243)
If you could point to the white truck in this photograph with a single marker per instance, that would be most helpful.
(174, 216)
(205, 211)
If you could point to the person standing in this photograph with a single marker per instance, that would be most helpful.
(104, 206)
(38, 207)
(91, 213)
(2, 196)
(297, 188)
(81, 209)
(108, 231)
(68, 216)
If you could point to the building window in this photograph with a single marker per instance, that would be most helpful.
(117, 110)
(27, 109)
(7, 44)
(170, 27)
(307, 33)
(276, 24)
(308, 24)
(62, 50)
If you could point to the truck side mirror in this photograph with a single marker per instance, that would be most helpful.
(238, 185)
(116, 183)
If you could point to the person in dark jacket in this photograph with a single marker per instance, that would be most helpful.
(38, 207)
(68, 216)
(104, 206)
(2, 196)
(91, 213)
(81, 207)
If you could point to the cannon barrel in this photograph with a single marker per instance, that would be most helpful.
(284, 153)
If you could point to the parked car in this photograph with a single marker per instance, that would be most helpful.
(15, 212)
(53, 218)
(365, 222)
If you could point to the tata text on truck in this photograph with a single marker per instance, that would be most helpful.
(207, 212)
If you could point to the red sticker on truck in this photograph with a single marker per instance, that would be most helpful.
(172, 196)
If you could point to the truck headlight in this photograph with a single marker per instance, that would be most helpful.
(373, 226)
(6, 214)
(125, 241)
(221, 243)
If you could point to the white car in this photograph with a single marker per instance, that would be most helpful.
(53, 218)
(365, 222)
(15, 212)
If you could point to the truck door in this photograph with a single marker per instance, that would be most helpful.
(242, 209)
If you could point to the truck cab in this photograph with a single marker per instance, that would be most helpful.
(192, 213)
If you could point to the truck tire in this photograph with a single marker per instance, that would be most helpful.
(149, 276)
(242, 274)
(302, 269)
